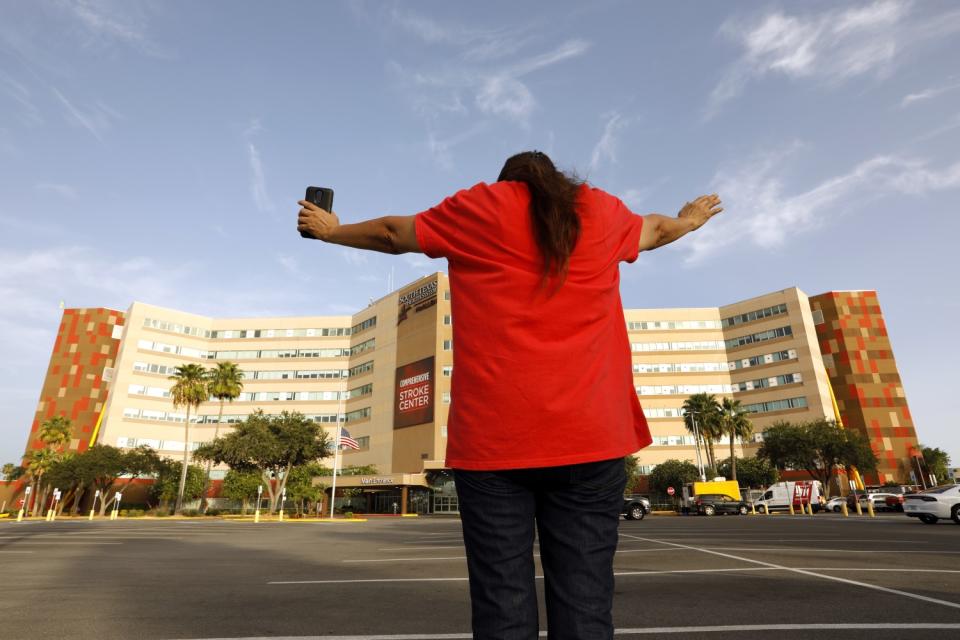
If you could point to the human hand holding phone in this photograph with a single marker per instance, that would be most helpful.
(316, 219)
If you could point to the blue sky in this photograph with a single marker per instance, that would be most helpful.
(155, 151)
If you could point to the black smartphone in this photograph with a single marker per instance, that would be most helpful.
(320, 196)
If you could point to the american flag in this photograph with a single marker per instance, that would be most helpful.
(347, 441)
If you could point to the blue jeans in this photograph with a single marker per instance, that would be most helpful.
(576, 510)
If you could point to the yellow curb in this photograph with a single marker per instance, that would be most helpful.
(409, 515)
(664, 513)
(304, 520)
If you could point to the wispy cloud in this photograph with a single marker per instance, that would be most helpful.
(606, 148)
(354, 257)
(479, 65)
(834, 45)
(258, 183)
(292, 266)
(21, 95)
(928, 94)
(96, 118)
(441, 149)
(758, 209)
(110, 21)
(63, 190)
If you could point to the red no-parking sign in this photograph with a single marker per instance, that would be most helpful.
(670, 491)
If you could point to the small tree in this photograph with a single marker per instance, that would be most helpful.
(937, 461)
(701, 415)
(818, 447)
(242, 486)
(13, 472)
(751, 472)
(300, 486)
(55, 434)
(633, 472)
(272, 445)
(672, 473)
(166, 487)
(103, 465)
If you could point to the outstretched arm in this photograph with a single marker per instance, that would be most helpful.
(659, 230)
(391, 234)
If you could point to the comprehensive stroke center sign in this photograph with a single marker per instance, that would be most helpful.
(413, 402)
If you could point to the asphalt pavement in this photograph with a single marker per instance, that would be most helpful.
(402, 579)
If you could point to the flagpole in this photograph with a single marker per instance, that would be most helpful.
(336, 444)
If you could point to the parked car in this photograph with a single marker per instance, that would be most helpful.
(713, 503)
(895, 502)
(934, 504)
(635, 507)
(835, 504)
(879, 501)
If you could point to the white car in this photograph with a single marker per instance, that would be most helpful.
(934, 504)
(879, 501)
(835, 504)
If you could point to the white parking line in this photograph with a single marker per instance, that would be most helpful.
(906, 594)
(648, 631)
(624, 573)
(805, 550)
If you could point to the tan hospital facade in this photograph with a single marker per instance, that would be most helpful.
(386, 371)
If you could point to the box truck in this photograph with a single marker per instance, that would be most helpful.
(777, 497)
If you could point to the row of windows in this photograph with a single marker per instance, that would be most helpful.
(776, 405)
(173, 327)
(674, 441)
(361, 368)
(239, 334)
(157, 445)
(233, 334)
(766, 312)
(369, 323)
(680, 367)
(764, 383)
(659, 325)
(250, 396)
(364, 346)
(663, 412)
(365, 390)
(173, 416)
(682, 389)
(359, 414)
(701, 345)
(762, 336)
(162, 369)
(163, 347)
(768, 358)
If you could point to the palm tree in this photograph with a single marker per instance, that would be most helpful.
(189, 390)
(55, 433)
(704, 408)
(224, 382)
(735, 424)
(38, 462)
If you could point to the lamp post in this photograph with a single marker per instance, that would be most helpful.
(696, 435)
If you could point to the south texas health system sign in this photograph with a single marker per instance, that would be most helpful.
(414, 394)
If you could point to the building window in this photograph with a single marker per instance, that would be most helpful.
(776, 405)
(759, 314)
(443, 431)
(668, 325)
(365, 390)
(446, 294)
(359, 414)
(363, 346)
(361, 368)
(369, 323)
(817, 316)
(446, 397)
(446, 319)
(447, 345)
(763, 336)
(364, 442)
(447, 371)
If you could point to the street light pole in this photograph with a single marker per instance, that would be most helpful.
(696, 435)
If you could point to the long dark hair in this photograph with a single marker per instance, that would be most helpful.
(553, 195)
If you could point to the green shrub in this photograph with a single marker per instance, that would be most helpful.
(160, 513)
(213, 512)
(348, 515)
(191, 513)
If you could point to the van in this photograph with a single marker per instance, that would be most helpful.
(777, 497)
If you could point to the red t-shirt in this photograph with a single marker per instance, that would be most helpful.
(538, 380)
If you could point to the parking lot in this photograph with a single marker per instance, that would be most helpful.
(691, 577)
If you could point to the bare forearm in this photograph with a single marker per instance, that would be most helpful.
(670, 229)
(379, 234)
